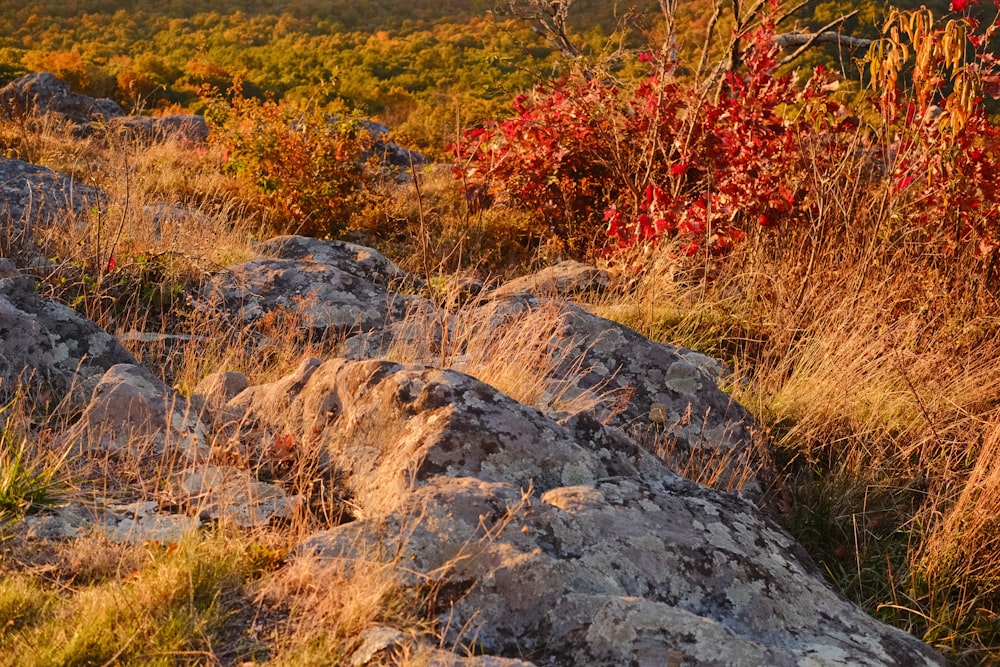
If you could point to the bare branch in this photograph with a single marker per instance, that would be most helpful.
(824, 35)
(790, 39)
(547, 19)
(707, 44)
(787, 14)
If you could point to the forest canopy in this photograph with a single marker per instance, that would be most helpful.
(424, 68)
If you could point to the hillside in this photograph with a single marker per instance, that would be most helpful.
(656, 362)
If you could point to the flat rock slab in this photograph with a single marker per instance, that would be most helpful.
(130, 523)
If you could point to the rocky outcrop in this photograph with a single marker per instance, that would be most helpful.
(551, 537)
(561, 545)
(665, 397)
(41, 93)
(624, 571)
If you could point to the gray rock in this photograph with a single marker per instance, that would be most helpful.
(357, 260)
(442, 658)
(217, 389)
(375, 641)
(42, 93)
(186, 127)
(652, 391)
(328, 299)
(48, 347)
(381, 642)
(32, 195)
(132, 410)
(27, 358)
(562, 544)
(566, 279)
(389, 426)
(624, 571)
(389, 152)
(130, 523)
(141, 522)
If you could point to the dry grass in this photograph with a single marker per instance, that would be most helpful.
(433, 229)
(523, 352)
(871, 363)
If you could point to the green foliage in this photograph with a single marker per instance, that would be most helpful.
(173, 611)
(25, 483)
(30, 477)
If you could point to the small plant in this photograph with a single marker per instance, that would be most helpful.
(30, 476)
(309, 164)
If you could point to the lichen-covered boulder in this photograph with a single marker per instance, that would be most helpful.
(560, 544)
(392, 425)
(624, 571)
(357, 260)
(334, 287)
(47, 347)
(666, 397)
(32, 195)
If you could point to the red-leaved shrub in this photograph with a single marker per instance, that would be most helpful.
(608, 165)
